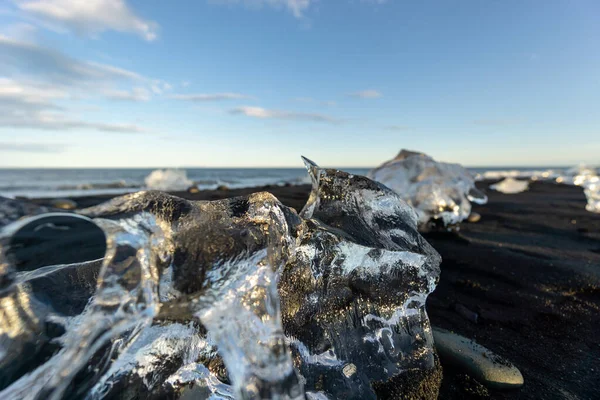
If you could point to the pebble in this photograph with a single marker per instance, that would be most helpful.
(193, 189)
(63, 204)
(490, 369)
(474, 217)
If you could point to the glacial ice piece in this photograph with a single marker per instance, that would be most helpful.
(510, 186)
(587, 177)
(225, 258)
(534, 175)
(353, 295)
(439, 192)
(168, 180)
(205, 300)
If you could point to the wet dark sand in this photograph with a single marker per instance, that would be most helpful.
(530, 270)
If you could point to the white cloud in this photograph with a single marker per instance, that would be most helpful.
(296, 7)
(29, 93)
(90, 17)
(32, 147)
(20, 57)
(185, 84)
(135, 94)
(201, 97)
(366, 94)
(19, 30)
(34, 105)
(259, 112)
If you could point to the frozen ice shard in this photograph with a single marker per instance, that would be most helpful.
(441, 193)
(353, 295)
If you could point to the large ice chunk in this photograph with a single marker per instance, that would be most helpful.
(438, 191)
(353, 294)
(239, 298)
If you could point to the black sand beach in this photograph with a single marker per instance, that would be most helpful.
(524, 281)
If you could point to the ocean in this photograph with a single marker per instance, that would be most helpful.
(84, 182)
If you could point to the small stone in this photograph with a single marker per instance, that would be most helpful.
(63, 204)
(474, 217)
(349, 370)
(222, 187)
(490, 369)
(193, 189)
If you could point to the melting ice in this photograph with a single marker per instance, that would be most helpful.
(510, 185)
(439, 192)
(587, 177)
(239, 298)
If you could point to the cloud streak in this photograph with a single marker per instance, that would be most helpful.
(262, 113)
(397, 128)
(137, 94)
(366, 94)
(90, 17)
(18, 57)
(497, 122)
(34, 106)
(32, 147)
(296, 7)
(206, 97)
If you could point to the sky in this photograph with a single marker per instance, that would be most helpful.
(257, 83)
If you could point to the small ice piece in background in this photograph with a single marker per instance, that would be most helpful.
(438, 191)
(587, 177)
(534, 175)
(168, 180)
(510, 186)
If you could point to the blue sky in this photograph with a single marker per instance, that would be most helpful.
(151, 83)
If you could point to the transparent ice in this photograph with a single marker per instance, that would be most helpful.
(236, 298)
(589, 179)
(510, 186)
(439, 192)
